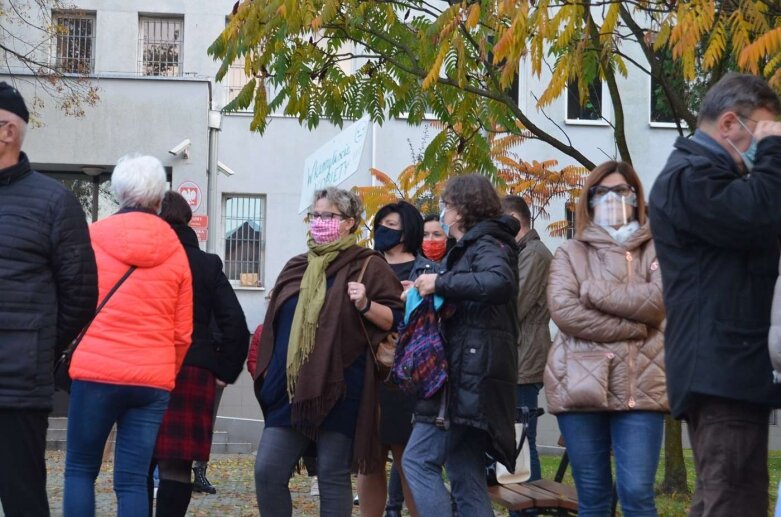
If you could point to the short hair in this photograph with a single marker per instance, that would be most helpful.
(473, 197)
(518, 205)
(411, 224)
(138, 182)
(431, 217)
(584, 212)
(175, 210)
(348, 203)
(741, 93)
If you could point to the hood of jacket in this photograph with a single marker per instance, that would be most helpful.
(503, 228)
(135, 238)
(598, 237)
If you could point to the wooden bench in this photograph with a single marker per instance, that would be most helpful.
(547, 497)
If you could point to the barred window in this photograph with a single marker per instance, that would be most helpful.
(236, 79)
(243, 224)
(569, 214)
(75, 42)
(160, 46)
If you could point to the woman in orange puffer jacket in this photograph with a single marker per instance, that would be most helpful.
(126, 365)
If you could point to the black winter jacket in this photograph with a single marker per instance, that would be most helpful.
(220, 335)
(479, 277)
(716, 235)
(48, 282)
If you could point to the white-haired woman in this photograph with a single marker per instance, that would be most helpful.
(126, 364)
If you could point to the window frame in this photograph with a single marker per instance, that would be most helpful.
(601, 121)
(161, 18)
(654, 123)
(224, 216)
(73, 14)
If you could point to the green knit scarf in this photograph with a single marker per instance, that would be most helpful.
(311, 298)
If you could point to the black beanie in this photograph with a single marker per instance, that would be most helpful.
(11, 100)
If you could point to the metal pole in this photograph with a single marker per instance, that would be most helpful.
(212, 193)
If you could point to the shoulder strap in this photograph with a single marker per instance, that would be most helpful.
(113, 290)
(359, 279)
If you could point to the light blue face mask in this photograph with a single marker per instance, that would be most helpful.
(749, 155)
(445, 227)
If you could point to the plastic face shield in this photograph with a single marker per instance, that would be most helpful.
(612, 208)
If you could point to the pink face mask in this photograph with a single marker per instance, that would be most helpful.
(323, 231)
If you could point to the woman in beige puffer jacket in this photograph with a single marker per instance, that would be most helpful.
(604, 378)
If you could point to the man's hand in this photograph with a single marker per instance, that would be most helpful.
(767, 128)
(426, 283)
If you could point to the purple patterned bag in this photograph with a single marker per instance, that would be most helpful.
(420, 367)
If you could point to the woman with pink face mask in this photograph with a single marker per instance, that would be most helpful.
(315, 378)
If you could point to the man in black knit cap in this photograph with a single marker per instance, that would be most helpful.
(48, 292)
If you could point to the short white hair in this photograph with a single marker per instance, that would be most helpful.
(138, 182)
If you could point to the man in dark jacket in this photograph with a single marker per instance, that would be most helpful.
(48, 286)
(534, 259)
(715, 220)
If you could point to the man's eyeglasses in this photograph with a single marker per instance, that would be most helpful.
(623, 190)
(325, 216)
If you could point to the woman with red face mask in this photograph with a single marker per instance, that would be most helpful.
(436, 242)
(315, 377)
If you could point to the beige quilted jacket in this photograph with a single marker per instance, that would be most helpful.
(606, 300)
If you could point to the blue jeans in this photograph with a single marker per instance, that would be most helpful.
(526, 395)
(461, 450)
(94, 408)
(636, 440)
(279, 450)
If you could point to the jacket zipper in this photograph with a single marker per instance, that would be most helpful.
(631, 402)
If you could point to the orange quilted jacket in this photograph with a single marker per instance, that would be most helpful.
(141, 336)
(606, 300)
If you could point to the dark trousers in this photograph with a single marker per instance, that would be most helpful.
(729, 440)
(23, 462)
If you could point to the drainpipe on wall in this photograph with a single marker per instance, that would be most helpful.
(212, 194)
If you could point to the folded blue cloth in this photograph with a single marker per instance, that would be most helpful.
(414, 299)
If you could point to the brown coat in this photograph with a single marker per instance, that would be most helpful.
(534, 260)
(606, 300)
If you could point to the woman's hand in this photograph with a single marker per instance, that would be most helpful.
(357, 293)
(426, 284)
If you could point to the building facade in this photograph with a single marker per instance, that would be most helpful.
(158, 96)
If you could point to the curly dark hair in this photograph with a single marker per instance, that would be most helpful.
(473, 197)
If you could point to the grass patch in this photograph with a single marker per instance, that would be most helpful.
(676, 504)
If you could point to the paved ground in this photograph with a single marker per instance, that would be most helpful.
(231, 474)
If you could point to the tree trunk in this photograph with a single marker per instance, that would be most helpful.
(674, 481)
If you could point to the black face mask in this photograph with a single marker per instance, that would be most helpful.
(386, 238)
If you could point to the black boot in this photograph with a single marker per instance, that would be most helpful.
(173, 498)
(202, 484)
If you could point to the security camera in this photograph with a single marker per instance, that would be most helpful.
(225, 169)
(182, 148)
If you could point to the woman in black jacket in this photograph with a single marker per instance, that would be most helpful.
(215, 359)
(474, 413)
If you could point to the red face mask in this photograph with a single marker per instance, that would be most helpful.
(434, 250)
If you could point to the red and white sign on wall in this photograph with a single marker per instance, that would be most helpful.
(200, 224)
(191, 193)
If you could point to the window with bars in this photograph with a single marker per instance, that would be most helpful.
(236, 79)
(243, 225)
(160, 42)
(569, 213)
(74, 51)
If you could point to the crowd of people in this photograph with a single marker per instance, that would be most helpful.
(663, 304)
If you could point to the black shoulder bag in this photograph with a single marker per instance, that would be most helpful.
(62, 380)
